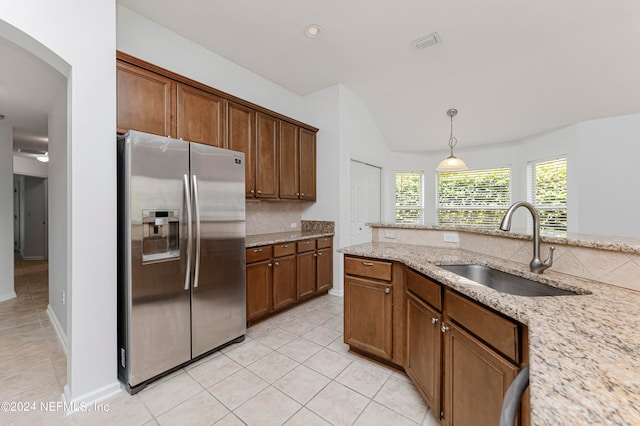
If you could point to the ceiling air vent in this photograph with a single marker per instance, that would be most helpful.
(426, 41)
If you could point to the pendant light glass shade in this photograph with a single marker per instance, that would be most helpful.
(452, 163)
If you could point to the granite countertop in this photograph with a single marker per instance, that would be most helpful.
(283, 237)
(584, 350)
(602, 242)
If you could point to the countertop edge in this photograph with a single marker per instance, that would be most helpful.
(282, 237)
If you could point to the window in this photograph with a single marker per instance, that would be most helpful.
(473, 197)
(547, 191)
(409, 197)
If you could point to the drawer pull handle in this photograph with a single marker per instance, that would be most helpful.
(434, 320)
(444, 328)
(367, 264)
(257, 251)
(285, 246)
(387, 290)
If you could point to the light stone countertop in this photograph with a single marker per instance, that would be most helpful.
(283, 237)
(584, 350)
(602, 242)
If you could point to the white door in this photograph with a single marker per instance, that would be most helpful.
(364, 203)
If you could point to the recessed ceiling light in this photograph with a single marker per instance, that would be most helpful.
(426, 41)
(313, 31)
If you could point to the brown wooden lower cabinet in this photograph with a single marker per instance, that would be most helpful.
(284, 281)
(476, 379)
(306, 273)
(259, 289)
(279, 275)
(368, 323)
(423, 362)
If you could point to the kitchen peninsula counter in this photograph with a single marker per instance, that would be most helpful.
(584, 350)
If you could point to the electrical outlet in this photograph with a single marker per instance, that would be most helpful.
(451, 237)
(294, 225)
(390, 235)
(64, 297)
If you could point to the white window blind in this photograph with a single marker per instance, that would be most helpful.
(547, 191)
(473, 197)
(409, 197)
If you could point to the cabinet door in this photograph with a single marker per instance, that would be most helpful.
(259, 289)
(307, 165)
(241, 137)
(306, 273)
(266, 156)
(145, 101)
(475, 380)
(424, 345)
(285, 289)
(368, 321)
(324, 272)
(289, 161)
(200, 116)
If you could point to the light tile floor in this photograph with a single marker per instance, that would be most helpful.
(291, 369)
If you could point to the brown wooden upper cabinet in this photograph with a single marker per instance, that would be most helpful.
(266, 156)
(146, 101)
(242, 137)
(200, 116)
(280, 153)
(297, 162)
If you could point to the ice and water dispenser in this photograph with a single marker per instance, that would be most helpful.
(160, 235)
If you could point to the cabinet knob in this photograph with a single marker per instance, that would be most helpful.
(319, 254)
(270, 265)
(387, 290)
(315, 255)
(277, 263)
(252, 191)
(297, 194)
(302, 194)
(434, 320)
(444, 328)
(285, 246)
(259, 192)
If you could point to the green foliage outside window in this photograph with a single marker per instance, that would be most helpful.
(550, 195)
(474, 197)
(409, 198)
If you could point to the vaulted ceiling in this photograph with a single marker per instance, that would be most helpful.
(513, 68)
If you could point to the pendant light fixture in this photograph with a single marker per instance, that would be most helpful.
(452, 163)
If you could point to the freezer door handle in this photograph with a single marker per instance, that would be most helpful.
(197, 208)
(187, 193)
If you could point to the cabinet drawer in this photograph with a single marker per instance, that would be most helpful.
(256, 254)
(498, 332)
(324, 242)
(284, 249)
(307, 245)
(424, 288)
(367, 268)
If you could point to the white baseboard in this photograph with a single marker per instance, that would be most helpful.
(335, 292)
(8, 296)
(58, 328)
(90, 399)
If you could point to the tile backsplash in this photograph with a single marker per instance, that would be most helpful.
(265, 217)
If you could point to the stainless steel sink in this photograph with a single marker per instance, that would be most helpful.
(504, 282)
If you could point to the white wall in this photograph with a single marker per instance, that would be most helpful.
(29, 167)
(601, 173)
(6, 212)
(77, 38)
(58, 220)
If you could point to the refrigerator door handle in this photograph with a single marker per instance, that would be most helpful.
(196, 202)
(187, 192)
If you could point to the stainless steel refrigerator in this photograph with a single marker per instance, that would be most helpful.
(181, 253)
